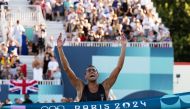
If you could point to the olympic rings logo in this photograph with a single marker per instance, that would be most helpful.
(53, 107)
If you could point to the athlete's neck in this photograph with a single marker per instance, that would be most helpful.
(93, 87)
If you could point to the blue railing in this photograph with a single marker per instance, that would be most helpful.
(43, 82)
(117, 44)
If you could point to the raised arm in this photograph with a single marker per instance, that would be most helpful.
(109, 82)
(75, 81)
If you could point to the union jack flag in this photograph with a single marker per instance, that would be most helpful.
(23, 86)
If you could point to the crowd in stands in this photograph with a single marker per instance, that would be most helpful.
(106, 20)
(43, 69)
(84, 20)
(18, 44)
(12, 68)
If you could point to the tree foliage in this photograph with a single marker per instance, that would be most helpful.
(175, 15)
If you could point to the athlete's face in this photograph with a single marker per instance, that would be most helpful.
(91, 74)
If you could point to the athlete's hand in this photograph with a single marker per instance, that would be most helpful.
(123, 40)
(60, 42)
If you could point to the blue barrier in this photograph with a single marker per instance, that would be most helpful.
(177, 101)
(156, 73)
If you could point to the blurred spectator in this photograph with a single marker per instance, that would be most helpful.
(4, 61)
(53, 66)
(27, 99)
(5, 73)
(24, 47)
(1, 104)
(57, 74)
(17, 33)
(20, 74)
(10, 29)
(53, 100)
(37, 69)
(35, 40)
(8, 102)
(66, 100)
(18, 101)
(51, 43)
(41, 39)
(48, 10)
(66, 4)
(45, 64)
(12, 47)
(82, 36)
(58, 9)
(3, 49)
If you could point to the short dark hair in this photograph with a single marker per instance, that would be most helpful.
(17, 21)
(90, 66)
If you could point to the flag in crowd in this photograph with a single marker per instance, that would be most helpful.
(23, 86)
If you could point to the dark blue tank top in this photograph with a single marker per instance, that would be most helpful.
(100, 95)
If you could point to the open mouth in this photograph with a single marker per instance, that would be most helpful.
(92, 76)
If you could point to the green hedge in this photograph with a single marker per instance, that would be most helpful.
(175, 15)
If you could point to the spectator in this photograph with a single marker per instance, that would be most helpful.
(53, 66)
(4, 61)
(14, 64)
(49, 11)
(41, 41)
(27, 99)
(57, 74)
(1, 104)
(58, 9)
(18, 101)
(67, 5)
(12, 47)
(51, 43)
(5, 73)
(66, 100)
(37, 69)
(45, 64)
(24, 47)
(10, 30)
(82, 36)
(35, 39)
(63, 100)
(53, 100)
(20, 74)
(8, 102)
(4, 49)
(17, 33)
